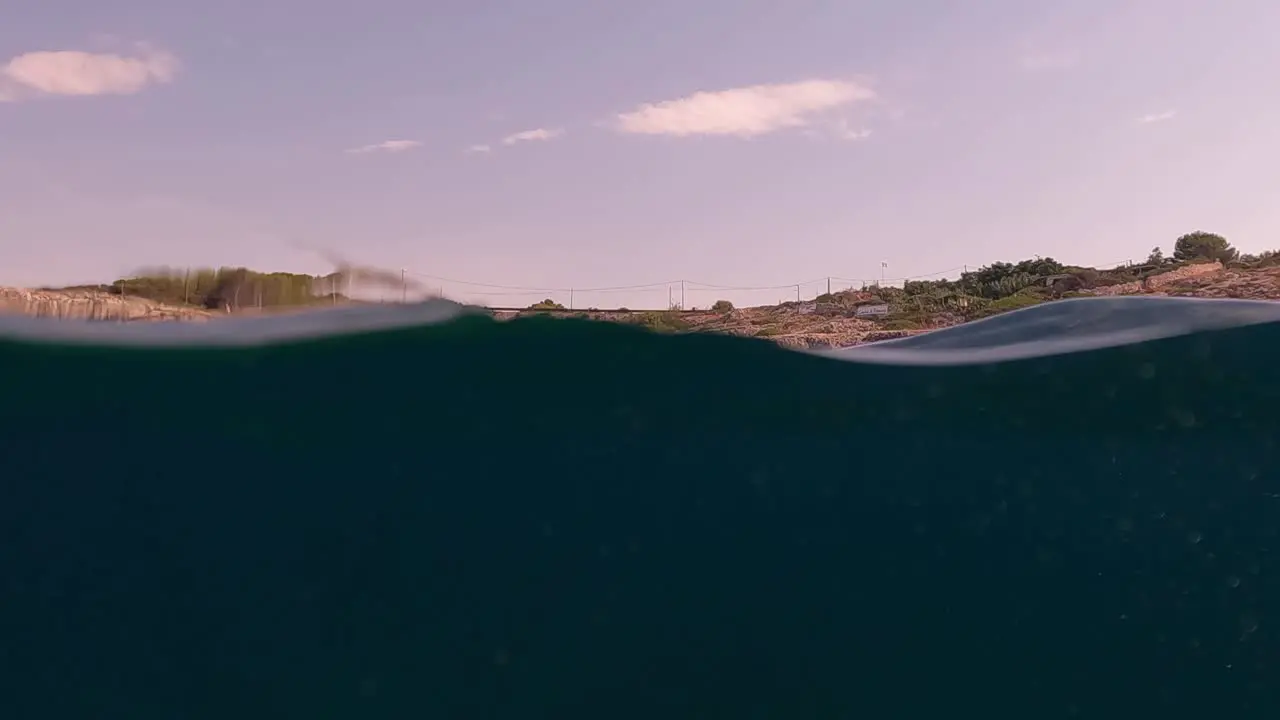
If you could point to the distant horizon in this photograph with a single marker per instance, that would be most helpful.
(500, 296)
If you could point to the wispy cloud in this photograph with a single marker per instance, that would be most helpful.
(479, 149)
(838, 129)
(1157, 117)
(1046, 61)
(532, 135)
(388, 146)
(844, 131)
(76, 73)
(743, 112)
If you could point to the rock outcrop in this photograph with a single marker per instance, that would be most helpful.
(1156, 282)
(91, 305)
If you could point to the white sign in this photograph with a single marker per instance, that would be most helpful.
(871, 310)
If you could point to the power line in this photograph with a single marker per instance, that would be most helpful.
(440, 278)
(788, 286)
(493, 289)
(901, 279)
(682, 286)
(553, 291)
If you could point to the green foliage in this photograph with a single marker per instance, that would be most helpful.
(1267, 258)
(770, 331)
(1005, 304)
(901, 323)
(666, 321)
(547, 304)
(1202, 245)
(722, 306)
(1002, 279)
(1156, 257)
(228, 288)
(976, 288)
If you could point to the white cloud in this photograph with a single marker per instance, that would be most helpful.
(1046, 61)
(531, 135)
(479, 149)
(844, 131)
(743, 112)
(1156, 117)
(77, 73)
(838, 129)
(389, 146)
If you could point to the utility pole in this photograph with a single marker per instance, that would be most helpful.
(828, 285)
(681, 294)
(797, 293)
(883, 267)
(186, 287)
(670, 302)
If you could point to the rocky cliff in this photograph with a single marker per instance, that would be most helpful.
(90, 305)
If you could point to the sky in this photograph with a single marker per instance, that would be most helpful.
(501, 152)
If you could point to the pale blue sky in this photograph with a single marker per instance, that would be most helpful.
(928, 135)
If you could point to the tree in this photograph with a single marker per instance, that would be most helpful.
(722, 306)
(1002, 279)
(1201, 245)
(1156, 257)
(228, 287)
(547, 304)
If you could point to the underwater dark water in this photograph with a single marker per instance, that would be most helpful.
(1056, 513)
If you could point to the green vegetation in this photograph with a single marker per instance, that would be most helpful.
(902, 323)
(1002, 286)
(547, 304)
(226, 288)
(667, 321)
(722, 306)
(1201, 245)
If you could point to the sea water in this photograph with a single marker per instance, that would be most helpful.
(1068, 511)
